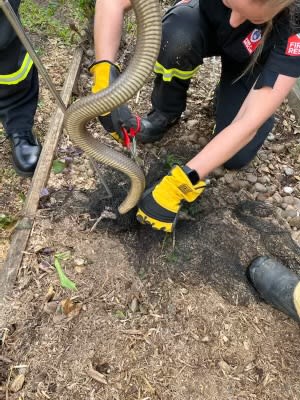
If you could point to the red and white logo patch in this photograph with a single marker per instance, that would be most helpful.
(293, 46)
(183, 2)
(252, 41)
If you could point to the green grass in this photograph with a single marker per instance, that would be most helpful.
(172, 258)
(172, 160)
(53, 19)
(130, 26)
(7, 173)
(6, 221)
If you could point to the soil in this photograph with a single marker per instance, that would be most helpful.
(155, 316)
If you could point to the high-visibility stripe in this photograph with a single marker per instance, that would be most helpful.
(169, 74)
(20, 75)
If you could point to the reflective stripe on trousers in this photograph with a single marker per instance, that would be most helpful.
(19, 75)
(169, 74)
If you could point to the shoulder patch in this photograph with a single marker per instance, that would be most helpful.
(293, 46)
(183, 2)
(252, 41)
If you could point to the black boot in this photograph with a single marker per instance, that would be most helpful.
(277, 285)
(154, 126)
(25, 152)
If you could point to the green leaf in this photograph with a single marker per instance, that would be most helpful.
(22, 197)
(6, 221)
(63, 256)
(120, 314)
(64, 280)
(171, 160)
(58, 166)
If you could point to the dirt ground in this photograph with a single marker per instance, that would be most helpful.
(155, 316)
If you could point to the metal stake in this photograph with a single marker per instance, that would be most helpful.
(15, 23)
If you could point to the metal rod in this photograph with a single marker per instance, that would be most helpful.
(15, 23)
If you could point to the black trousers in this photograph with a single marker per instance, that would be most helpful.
(187, 39)
(18, 100)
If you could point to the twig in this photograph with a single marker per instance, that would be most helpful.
(185, 363)
(5, 359)
(101, 179)
(4, 335)
(7, 383)
(104, 214)
(137, 99)
(132, 332)
(174, 240)
(98, 292)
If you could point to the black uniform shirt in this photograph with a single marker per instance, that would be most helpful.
(281, 51)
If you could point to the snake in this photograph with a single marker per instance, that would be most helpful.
(78, 114)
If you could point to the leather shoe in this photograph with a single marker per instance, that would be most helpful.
(154, 126)
(25, 152)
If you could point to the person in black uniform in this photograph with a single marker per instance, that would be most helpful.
(19, 90)
(260, 55)
(259, 45)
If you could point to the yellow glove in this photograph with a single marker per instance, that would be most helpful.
(120, 123)
(161, 203)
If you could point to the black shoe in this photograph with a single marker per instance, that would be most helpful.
(25, 152)
(276, 284)
(154, 126)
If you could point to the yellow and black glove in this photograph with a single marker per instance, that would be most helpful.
(120, 123)
(161, 203)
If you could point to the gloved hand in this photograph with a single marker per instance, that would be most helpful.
(120, 123)
(161, 203)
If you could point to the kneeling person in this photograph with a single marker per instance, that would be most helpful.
(255, 40)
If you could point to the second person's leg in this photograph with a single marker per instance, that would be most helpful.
(182, 50)
(231, 94)
(19, 89)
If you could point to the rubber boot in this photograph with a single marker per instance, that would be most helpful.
(25, 152)
(154, 126)
(276, 284)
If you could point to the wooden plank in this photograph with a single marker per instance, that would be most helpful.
(45, 162)
(24, 226)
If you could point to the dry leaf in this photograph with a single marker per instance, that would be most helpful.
(134, 305)
(51, 307)
(267, 379)
(70, 308)
(206, 339)
(96, 376)
(67, 306)
(17, 383)
(224, 366)
(50, 294)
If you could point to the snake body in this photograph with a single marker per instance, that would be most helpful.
(78, 114)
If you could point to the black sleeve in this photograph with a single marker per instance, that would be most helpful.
(284, 59)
